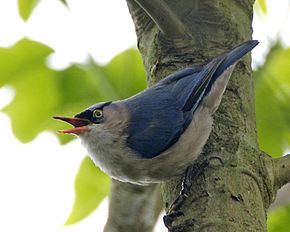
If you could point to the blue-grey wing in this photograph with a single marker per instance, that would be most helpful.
(190, 90)
(156, 122)
(189, 86)
(157, 115)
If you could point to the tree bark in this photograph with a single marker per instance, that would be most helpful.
(133, 207)
(235, 190)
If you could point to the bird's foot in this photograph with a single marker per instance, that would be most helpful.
(170, 217)
(192, 172)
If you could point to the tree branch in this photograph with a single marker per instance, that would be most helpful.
(167, 20)
(133, 207)
(282, 198)
(281, 171)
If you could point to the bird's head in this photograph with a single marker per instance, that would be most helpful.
(90, 118)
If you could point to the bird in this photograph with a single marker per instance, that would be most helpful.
(156, 134)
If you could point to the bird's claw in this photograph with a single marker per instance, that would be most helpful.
(169, 218)
(193, 171)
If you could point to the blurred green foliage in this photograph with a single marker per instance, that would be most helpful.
(41, 93)
(278, 220)
(262, 5)
(91, 186)
(272, 85)
(26, 7)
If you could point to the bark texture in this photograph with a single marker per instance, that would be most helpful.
(133, 207)
(235, 190)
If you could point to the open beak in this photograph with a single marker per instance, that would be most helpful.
(80, 125)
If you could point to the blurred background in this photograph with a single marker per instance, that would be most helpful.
(58, 57)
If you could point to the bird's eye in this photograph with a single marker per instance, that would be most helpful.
(98, 114)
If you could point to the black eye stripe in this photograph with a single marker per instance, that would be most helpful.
(105, 104)
(89, 113)
(86, 114)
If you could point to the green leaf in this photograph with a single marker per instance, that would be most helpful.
(24, 55)
(23, 68)
(91, 186)
(262, 5)
(272, 84)
(278, 221)
(126, 73)
(25, 7)
(42, 92)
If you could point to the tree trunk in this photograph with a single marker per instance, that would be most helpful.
(235, 190)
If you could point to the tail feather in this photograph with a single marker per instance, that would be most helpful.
(234, 55)
(217, 66)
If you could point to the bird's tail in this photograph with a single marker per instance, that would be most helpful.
(234, 55)
(205, 79)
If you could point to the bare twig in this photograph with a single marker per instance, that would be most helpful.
(281, 170)
(133, 207)
(282, 198)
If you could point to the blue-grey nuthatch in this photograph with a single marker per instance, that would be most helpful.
(155, 135)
